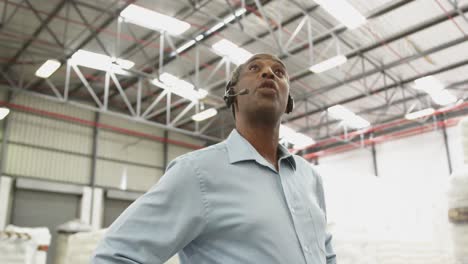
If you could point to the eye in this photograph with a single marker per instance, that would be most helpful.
(253, 67)
(279, 73)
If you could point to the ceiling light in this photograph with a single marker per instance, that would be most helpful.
(436, 89)
(4, 112)
(185, 46)
(419, 114)
(228, 19)
(153, 20)
(298, 140)
(48, 68)
(101, 62)
(429, 84)
(171, 80)
(231, 17)
(443, 97)
(328, 64)
(340, 112)
(234, 53)
(214, 28)
(344, 12)
(356, 122)
(205, 114)
(347, 117)
(179, 87)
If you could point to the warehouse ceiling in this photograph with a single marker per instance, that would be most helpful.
(400, 42)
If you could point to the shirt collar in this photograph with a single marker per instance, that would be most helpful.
(239, 149)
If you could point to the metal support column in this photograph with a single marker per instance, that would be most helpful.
(374, 160)
(447, 149)
(165, 149)
(92, 181)
(5, 136)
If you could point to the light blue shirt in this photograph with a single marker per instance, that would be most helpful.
(225, 204)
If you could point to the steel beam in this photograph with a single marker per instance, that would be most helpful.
(36, 33)
(86, 84)
(169, 58)
(46, 26)
(93, 32)
(325, 36)
(265, 18)
(128, 51)
(376, 70)
(400, 101)
(122, 93)
(88, 39)
(5, 137)
(112, 113)
(414, 29)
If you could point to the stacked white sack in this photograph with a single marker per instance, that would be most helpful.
(26, 246)
(458, 203)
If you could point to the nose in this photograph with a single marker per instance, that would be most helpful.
(268, 74)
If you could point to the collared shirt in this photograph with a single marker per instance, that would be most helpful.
(225, 204)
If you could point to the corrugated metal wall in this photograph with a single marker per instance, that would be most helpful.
(46, 148)
(141, 158)
(2, 98)
(174, 151)
(59, 150)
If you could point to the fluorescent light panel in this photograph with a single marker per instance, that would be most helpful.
(234, 53)
(179, 87)
(436, 89)
(185, 46)
(344, 12)
(429, 84)
(443, 97)
(101, 62)
(153, 20)
(47, 68)
(4, 112)
(228, 19)
(419, 114)
(328, 64)
(347, 117)
(205, 115)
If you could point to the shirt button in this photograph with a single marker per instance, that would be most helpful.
(306, 249)
(293, 211)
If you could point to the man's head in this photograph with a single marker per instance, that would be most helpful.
(265, 78)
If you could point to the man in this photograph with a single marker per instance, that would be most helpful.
(244, 200)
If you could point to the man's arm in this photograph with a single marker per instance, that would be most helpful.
(158, 224)
(331, 256)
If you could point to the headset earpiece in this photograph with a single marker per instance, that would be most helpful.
(290, 105)
(229, 100)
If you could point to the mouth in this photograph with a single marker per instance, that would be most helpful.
(269, 84)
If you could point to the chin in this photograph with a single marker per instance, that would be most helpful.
(266, 112)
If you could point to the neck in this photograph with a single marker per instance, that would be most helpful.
(263, 136)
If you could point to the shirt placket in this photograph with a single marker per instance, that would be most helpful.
(299, 214)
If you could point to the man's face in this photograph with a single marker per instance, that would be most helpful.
(268, 83)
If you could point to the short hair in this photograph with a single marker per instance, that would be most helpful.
(235, 75)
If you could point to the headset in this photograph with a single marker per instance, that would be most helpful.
(230, 95)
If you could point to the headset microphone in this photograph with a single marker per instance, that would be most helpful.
(241, 92)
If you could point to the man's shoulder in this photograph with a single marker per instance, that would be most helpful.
(209, 154)
(301, 162)
(305, 166)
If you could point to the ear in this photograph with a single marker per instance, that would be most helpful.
(290, 104)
